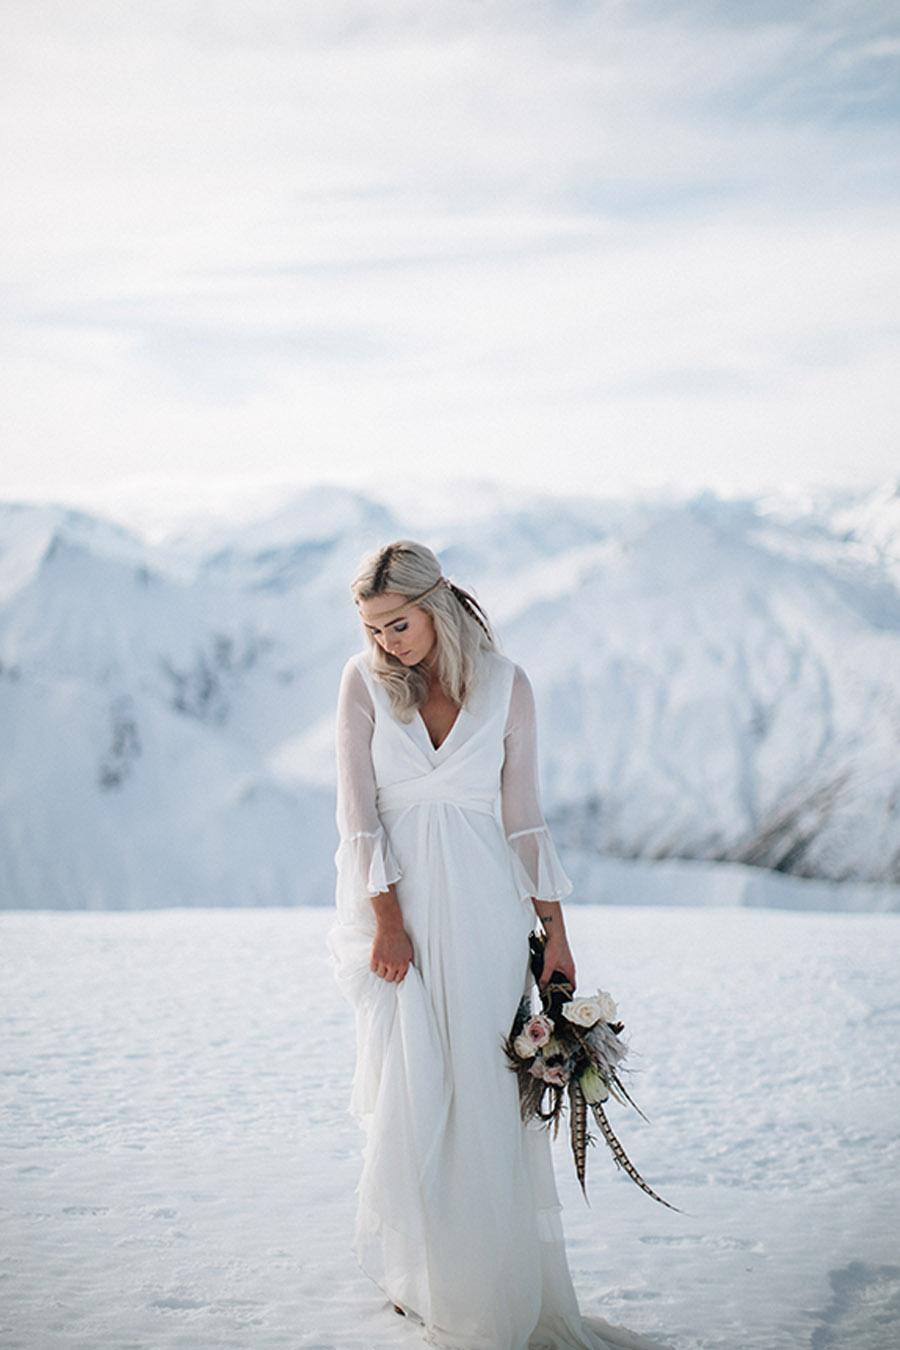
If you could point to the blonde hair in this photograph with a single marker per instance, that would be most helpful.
(462, 628)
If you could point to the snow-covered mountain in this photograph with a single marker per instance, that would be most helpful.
(717, 680)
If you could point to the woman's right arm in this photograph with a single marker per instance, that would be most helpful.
(364, 846)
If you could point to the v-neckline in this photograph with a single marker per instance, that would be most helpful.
(437, 748)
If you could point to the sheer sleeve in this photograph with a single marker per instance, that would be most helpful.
(535, 861)
(365, 866)
(364, 860)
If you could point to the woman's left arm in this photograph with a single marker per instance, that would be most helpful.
(535, 860)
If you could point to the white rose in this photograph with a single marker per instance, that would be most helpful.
(584, 1012)
(608, 1010)
(524, 1047)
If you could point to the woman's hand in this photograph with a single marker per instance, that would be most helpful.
(557, 956)
(392, 952)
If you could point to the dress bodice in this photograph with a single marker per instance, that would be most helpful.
(488, 763)
(466, 767)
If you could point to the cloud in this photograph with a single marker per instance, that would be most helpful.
(360, 228)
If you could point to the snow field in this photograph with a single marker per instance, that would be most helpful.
(178, 1164)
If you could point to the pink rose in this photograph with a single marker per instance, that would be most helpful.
(555, 1073)
(538, 1029)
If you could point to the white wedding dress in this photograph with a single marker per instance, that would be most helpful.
(458, 1218)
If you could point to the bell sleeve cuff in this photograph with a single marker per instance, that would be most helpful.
(536, 866)
(366, 862)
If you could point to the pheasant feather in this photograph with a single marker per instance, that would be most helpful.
(622, 1159)
(578, 1131)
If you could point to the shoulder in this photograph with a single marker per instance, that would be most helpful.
(516, 674)
(497, 662)
(355, 673)
(502, 664)
(517, 690)
(522, 711)
(354, 662)
(497, 670)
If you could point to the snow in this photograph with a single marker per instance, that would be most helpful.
(179, 1164)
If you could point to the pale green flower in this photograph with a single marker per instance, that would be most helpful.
(593, 1085)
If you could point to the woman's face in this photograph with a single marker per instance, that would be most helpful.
(409, 635)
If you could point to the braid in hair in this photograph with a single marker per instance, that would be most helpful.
(471, 605)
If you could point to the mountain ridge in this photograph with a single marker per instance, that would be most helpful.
(716, 682)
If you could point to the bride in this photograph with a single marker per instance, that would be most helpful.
(444, 864)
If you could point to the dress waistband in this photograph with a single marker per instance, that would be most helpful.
(419, 792)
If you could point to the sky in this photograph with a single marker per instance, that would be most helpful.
(582, 246)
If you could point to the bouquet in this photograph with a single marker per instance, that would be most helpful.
(571, 1048)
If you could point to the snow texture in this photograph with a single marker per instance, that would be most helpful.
(179, 1164)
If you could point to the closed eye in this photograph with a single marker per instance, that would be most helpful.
(399, 626)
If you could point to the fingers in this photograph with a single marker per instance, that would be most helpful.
(393, 974)
(568, 971)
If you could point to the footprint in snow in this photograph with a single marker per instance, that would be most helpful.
(864, 1311)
